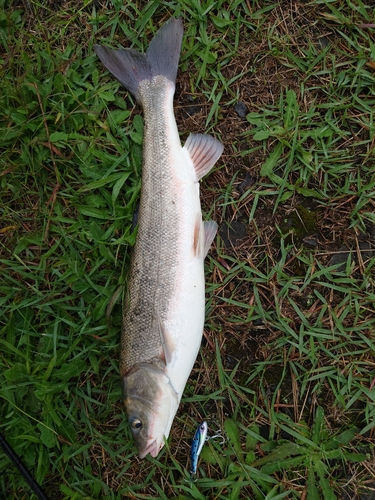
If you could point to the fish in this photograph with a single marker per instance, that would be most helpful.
(164, 304)
(197, 443)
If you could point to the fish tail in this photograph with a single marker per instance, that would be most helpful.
(131, 67)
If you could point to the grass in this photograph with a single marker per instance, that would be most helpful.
(286, 369)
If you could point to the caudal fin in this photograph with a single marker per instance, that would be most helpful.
(161, 58)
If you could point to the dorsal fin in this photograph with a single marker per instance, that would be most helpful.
(204, 151)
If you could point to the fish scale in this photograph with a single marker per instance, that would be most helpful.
(154, 261)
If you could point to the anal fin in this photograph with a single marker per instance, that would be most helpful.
(210, 230)
(204, 234)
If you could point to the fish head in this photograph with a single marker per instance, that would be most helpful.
(151, 404)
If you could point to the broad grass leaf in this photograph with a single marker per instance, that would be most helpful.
(210, 455)
(58, 136)
(235, 491)
(312, 490)
(137, 138)
(306, 156)
(258, 476)
(207, 56)
(268, 446)
(43, 465)
(18, 372)
(96, 231)
(220, 369)
(71, 369)
(220, 22)
(93, 212)
(255, 119)
(96, 200)
(346, 436)
(68, 431)
(107, 96)
(317, 428)
(18, 116)
(231, 430)
(288, 194)
(272, 495)
(106, 253)
(118, 185)
(278, 130)
(118, 116)
(47, 436)
(138, 124)
(102, 182)
(30, 239)
(9, 135)
(261, 135)
(308, 192)
(69, 493)
(272, 160)
(28, 437)
(292, 109)
(251, 437)
(328, 493)
(282, 451)
(316, 133)
(287, 464)
(355, 457)
(50, 367)
(250, 457)
(13, 349)
(113, 300)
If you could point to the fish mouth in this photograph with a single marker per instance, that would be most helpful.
(152, 449)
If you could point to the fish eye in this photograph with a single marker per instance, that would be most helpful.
(136, 423)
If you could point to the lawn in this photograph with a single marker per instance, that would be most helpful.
(286, 369)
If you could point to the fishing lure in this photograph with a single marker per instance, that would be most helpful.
(197, 443)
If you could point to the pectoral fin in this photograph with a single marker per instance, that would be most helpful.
(166, 340)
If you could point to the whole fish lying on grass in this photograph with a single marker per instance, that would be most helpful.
(165, 299)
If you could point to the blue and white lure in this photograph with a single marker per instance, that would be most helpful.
(199, 439)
